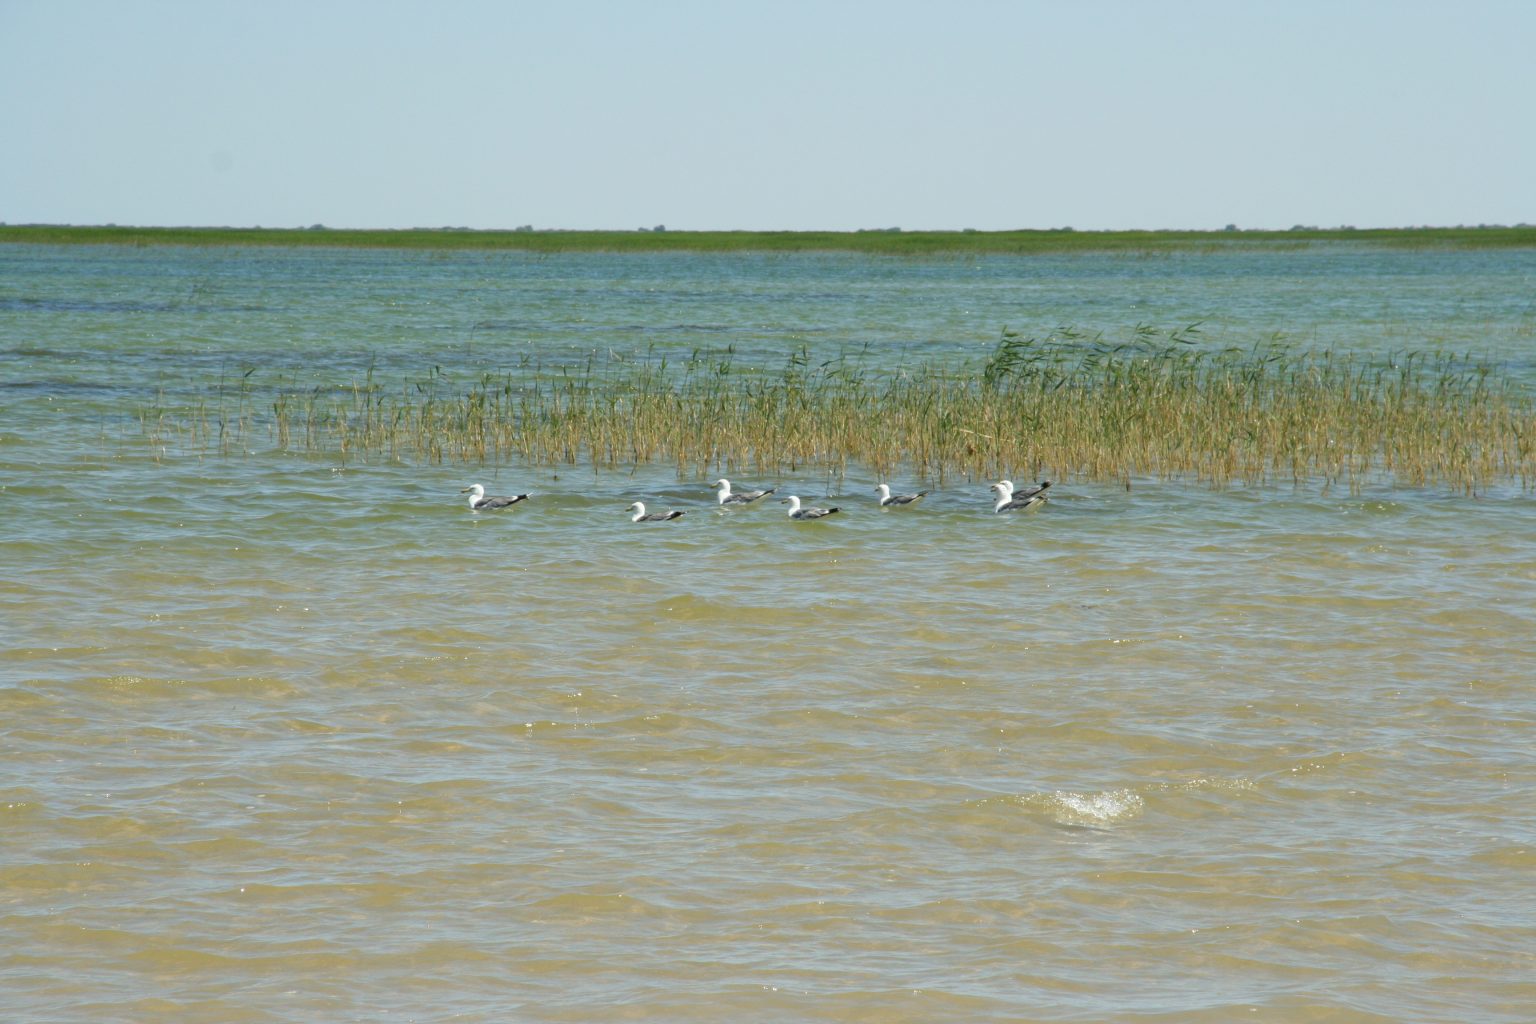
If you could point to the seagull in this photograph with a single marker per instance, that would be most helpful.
(1026, 492)
(796, 512)
(744, 498)
(1008, 502)
(887, 498)
(480, 503)
(641, 516)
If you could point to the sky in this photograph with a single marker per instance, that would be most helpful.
(721, 115)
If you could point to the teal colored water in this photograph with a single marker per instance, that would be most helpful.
(287, 738)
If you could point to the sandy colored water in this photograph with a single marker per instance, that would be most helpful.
(290, 740)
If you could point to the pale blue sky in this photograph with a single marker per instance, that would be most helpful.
(784, 115)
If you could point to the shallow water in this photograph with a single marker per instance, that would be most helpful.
(291, 740)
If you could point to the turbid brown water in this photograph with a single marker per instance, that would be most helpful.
(287, 739)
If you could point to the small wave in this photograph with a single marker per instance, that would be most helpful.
(33, 305)
(585, 907)
(1109, 807)
(132, 686)
(1207, 783)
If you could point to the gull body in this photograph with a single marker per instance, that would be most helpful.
(642, 516)
(796, 512)
(724, 496)
(1007, 502)
(1025, 492)
(480, 503)
(887, 498)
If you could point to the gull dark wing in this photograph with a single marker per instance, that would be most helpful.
(1029, 492)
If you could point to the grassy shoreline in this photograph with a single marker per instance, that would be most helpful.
(1066, 407)
(883, 242)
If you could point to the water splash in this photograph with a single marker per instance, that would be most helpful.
(1109, 807)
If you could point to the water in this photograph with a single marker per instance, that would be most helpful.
(287, 739)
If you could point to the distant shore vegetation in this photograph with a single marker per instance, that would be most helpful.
(887, 241)
(1064, 406)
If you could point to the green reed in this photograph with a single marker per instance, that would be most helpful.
(1066, 405)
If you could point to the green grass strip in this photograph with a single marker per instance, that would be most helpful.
(885, 242)
(1065, 406)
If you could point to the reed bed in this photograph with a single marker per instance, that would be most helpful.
(1067, 406)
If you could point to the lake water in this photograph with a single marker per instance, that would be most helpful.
(290, 739)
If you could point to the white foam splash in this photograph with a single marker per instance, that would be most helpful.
(1104, 808)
